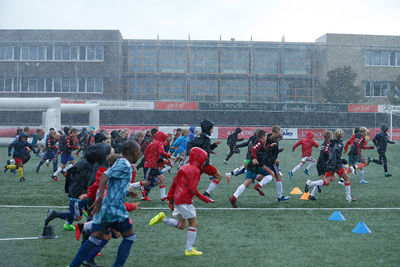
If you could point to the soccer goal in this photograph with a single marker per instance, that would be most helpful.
(93, 110)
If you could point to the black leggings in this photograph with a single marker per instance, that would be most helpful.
(232, 151)
(382, 160)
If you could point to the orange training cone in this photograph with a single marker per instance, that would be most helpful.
(305, 196)
(296, 191)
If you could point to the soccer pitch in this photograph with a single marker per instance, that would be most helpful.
(263, 233)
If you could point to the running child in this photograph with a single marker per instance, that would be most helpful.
(20, 147)
(334, 166)
(66, 147)
(355, 154)
(50, 151)
(231, 142)
(322, 160)
(307, 145)
(380, 141)
(181, 193)
(109, 210)
(36, 137)
(204, 142)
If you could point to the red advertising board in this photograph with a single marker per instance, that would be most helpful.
(67, 101)
(177, 105)
(362, 108)
(223, 132)
(318, 133)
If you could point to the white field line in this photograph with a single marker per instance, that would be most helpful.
(18, 238)
(233, 209)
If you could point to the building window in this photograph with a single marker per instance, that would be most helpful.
(295, 61)
(142, 88)
(173, 59)
(265, 61)
(377, 88)
(204, 60)
(141, 59)
(203, 89)
(235, 60)
(234, 90)
(265, 90)
(173, 89)
(295, 90)
(382, 58)
(7, 52)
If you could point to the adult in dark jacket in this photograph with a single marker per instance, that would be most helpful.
(116, 142)
(380, 141)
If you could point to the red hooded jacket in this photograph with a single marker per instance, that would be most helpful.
(156, 149)
(306, 145)
(184, 185)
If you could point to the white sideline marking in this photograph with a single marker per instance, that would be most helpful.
(247, 209)
(18, 238)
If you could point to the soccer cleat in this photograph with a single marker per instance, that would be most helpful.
(363, 182)
(90, 263)
(5, 169)
(319, 189)
(22, 179)
(290, 174)
(37, 169)
(51, 214)
(69, 227)
(387, 175)
(352, 199)
(163, 198)
(341, 182)
(259, 190)
(157, 219)
(54, 178)
(206, 194)
(85, 213)
(283, 198)
(307, 187)
(226, 162)
(193, 252)
(64, 173)
(233, 202)
(310, 197)
(146, 198)
(306, 172)
(78, 231)
(228, 177)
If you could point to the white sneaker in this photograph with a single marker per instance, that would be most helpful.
(226, 162)
(352, 199)
(228, 177)
(340, 183)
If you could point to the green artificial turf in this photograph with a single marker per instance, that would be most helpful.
(250, 237)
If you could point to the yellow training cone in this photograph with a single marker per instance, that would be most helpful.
(305, 196)
(296, 191)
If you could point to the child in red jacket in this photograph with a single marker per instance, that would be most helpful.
(183, 189)
(307, 145)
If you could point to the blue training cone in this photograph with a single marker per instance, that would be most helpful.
(336, 216)
(361, 228)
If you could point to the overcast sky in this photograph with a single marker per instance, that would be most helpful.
(264, 20)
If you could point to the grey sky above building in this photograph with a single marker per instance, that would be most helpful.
(263, 20)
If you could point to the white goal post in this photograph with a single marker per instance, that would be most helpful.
(51, 106)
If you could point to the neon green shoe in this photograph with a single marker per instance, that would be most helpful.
(85, 213)
(157, 219)
(69, 227)
(193, 252)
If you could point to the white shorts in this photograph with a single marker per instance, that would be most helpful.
(309, 158)
(187, 211)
